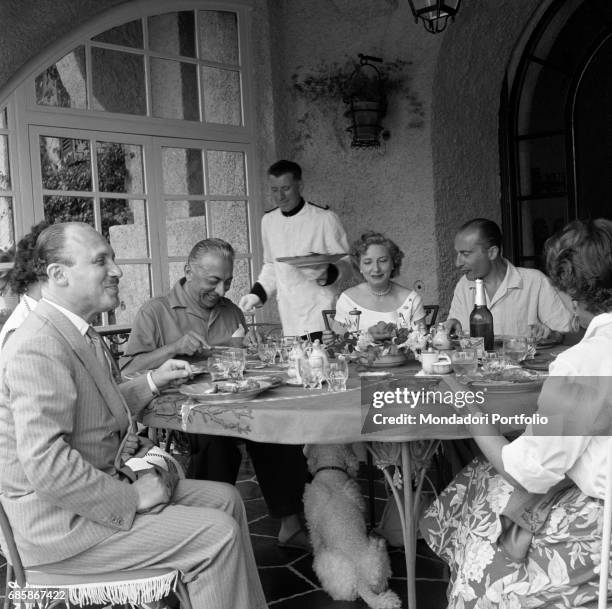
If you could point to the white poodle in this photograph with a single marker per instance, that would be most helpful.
(347, 561)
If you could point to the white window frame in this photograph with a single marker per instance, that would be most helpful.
(27, 120)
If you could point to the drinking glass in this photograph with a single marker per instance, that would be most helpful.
(490, 361)
(236, 362)
(267, 353)
(337, 374)
(465, 362)
(311, 377)
(515, 348)
(218, 366)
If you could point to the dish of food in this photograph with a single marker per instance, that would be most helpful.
(224, 392)
(273, 379)
(311, 259)
(385, 361)
(509, 380)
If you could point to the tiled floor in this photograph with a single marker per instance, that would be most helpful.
(289, 581)
(287, 576)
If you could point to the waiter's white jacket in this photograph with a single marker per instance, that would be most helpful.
(312, 229)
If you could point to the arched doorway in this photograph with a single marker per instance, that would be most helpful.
(557, 127)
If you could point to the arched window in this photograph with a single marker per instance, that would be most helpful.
(140, 125)
(559, 129)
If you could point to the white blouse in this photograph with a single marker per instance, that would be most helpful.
(539, 462)
(411, 310)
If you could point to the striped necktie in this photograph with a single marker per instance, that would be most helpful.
(102, 354)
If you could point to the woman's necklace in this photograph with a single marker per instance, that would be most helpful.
(383, 293)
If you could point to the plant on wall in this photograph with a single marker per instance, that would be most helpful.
(324, 87)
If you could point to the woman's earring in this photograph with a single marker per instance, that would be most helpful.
(575, 323)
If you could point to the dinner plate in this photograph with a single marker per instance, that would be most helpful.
(311, 259)
(385, 361)
(507, 386)
(197, 391)
(274, 379)
(539, 362)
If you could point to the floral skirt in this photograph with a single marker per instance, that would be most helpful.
(562, 566)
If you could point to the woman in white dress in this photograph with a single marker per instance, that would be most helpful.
(378, 297)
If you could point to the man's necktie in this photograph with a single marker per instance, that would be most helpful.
(105, 359)
(102, 354)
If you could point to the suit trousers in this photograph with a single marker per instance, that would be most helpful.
(203, 533)
(280, 468)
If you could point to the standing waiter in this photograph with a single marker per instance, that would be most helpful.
(297, 228)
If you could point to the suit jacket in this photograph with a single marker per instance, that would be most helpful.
(62, 420)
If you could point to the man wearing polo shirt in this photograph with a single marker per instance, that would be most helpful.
(517, 297)
(193, 317)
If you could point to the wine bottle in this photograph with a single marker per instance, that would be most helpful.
(481, 319)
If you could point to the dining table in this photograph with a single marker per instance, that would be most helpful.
(292, 414)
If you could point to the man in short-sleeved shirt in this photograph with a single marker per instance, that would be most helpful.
(517, 297)
(194, 316)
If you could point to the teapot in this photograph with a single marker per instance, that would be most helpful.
(441, 340)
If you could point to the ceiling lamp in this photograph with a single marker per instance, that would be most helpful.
(434, 13)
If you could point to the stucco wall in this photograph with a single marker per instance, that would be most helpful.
(387, 189)
(465, 113)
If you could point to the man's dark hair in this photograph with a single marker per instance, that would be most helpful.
(211, 246)
(51, 248)
(23, 274)
(282, 167)
(490, 233)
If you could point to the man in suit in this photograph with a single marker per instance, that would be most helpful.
(62, 423)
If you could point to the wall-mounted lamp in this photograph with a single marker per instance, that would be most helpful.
(434, 13)
(364, 94)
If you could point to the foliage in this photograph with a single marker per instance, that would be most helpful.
(71, 171)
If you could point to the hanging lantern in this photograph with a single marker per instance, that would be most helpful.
(434, 13)
(365, 96)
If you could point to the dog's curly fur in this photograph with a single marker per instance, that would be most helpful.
(347, 561)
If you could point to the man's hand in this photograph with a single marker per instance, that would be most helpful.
(453, 326)
(249, 303)
(189, 344)
(130, 446)
(152, 489)
(171, 370)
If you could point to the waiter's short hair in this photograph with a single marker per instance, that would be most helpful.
(211, 246)
(282, 167)
(490, 233)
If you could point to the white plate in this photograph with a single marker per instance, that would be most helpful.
(507, 386)
(293, 382)
(311, 259)
(385, 361)
(198, 391)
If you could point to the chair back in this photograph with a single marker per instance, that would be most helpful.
(328, 315)
(431, 314)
